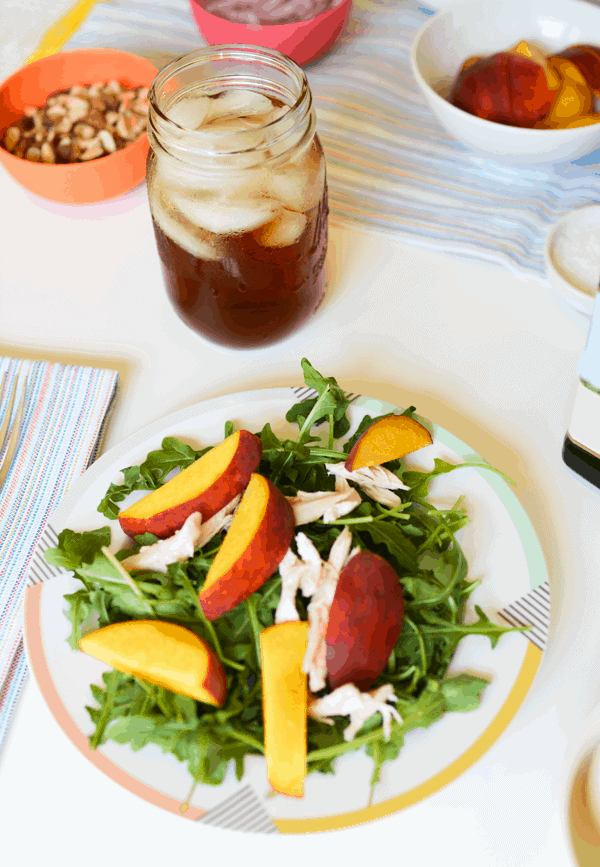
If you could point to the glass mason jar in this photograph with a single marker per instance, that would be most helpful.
(238, 194)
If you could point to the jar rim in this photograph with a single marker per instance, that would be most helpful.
(161, 125)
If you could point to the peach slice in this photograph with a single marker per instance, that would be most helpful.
(285, 704)
(574, 98)
(365, 620)
(587, 60)
(470, 61)
(537, 54)
(161, 653)
(206, 487)
(530, 50)
(584, 120)
(505, 88)
(386, 439)
(255, 544)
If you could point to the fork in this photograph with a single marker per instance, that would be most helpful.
(10, 441)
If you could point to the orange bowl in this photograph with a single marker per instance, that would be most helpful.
(75, 183)
(303, 41)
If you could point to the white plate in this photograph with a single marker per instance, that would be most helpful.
(500, 546)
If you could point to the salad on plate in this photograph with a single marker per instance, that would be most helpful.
(295, 599)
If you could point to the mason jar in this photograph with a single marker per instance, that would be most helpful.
(238, 194)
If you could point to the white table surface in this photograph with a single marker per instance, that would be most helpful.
(487, 355)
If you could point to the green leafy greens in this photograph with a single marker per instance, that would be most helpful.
(417, 540)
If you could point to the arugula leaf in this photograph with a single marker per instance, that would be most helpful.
(269, 439)
(81, 607)
(382, 751)
(75, 549)
(151, 474)
(173, 454)
(331, 404)
(462, 692)
(418, 481)
(132, 481)
(420, 589)
(400, 550)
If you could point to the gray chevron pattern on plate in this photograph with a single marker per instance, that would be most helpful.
(533, 610)
(243, 811)
(306, 393)
(39, 569)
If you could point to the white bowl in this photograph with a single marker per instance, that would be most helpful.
(480, 27)
(572, 254)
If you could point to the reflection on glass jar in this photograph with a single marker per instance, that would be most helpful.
(238, 195)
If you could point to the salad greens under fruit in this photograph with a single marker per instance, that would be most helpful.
(417, 540)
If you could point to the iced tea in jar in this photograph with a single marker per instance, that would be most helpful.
(237, 191)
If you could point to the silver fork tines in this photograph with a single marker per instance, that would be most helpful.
(13, 439)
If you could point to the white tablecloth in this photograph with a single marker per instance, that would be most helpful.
(487, 355)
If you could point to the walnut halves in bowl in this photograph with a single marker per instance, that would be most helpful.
(79, 124)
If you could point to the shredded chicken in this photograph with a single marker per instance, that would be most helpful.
(347, 700)
(290, 569)
(317, 579)
(183, 543)
(311, 576)
(378, 482)
(221, 521)
(380, 476)
(302, 573)
(328, 505)
(315, 660)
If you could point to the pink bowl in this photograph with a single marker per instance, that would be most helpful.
(303, 41)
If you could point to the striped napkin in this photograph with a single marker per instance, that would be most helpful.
(65, 413)
(391, 167)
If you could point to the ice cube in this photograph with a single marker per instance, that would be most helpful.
(288, 186)
(268, 117)
(237, 123)
(227, 217)
(173, 174)
(230, 124)
(190, 112)
(240, 103)
(276, 113)
(226, 135)
(285, 143)
(283, 231)
(192, 240)
(213, 178)
(311, 163)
